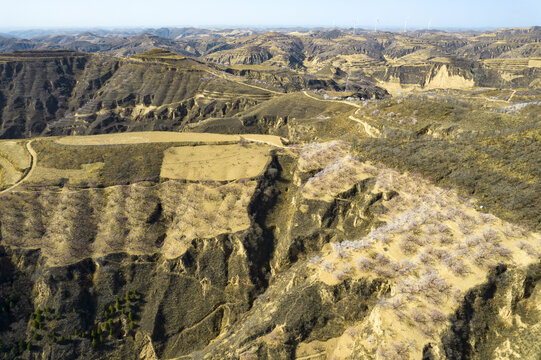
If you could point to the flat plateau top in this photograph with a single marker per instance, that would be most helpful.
(164, 136)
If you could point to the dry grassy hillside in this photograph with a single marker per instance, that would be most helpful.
(243, 194)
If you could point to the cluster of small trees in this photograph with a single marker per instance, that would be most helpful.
(339, 175)
(316, 155)
(529, 249)
(123, 307)
(395, 351)
(204, 210)
(97, 334)
(13, 352)
(441, 236)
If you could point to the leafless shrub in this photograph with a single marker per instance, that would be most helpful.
(339, 250)
(437, 316)
(484, 255)
(490, 235)
(437, 253)
(457, 295)
(384, 272)
(408, 247)
(394, 351)
(409, 243)
(408, 267)
(502, 251)
(445, 239)
(461, 250)
(436, 229)
(528, 248)
(314, 260)
(353, 331)
(343, 272)
(456, 265)
(381, 259)
(364, 264)
(419, 317)
(396, 303)
(473, 241)
(339, 274)
(427, 330)
(327, 266)
(395, 266)
(408, 287)
(425, 258)
(487, 218)
(433, 286)
(465, 228)
(357, 244)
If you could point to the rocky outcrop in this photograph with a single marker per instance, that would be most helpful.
(498, 320)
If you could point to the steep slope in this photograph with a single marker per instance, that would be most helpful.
(60, 93)
(65, 92)
(299, 251)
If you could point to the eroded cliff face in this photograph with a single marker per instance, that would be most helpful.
(311, 258)
(498, 320)
(457, 74)
(58, 93)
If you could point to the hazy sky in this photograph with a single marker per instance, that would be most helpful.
(341, 13)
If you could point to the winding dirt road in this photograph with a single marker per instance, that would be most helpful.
(336, 101)
(33, 160)
(369, 129)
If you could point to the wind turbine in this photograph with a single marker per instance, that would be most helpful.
(376, 25)
(428, 26)
(406, 24)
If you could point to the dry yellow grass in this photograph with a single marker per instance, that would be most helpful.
(160, 136)
(215, 162)
(15, 152)
(14, 160)
(8, 173)
(87, 173)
